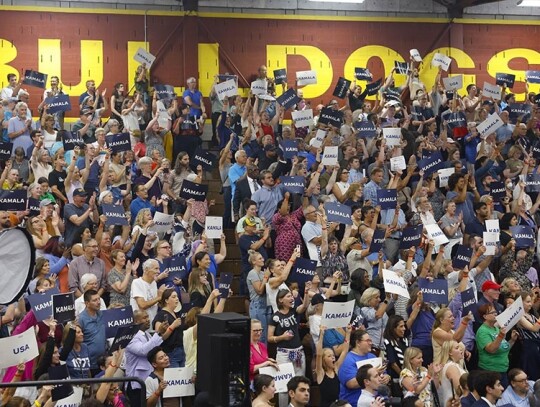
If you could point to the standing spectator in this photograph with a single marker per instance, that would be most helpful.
(237, 170)
(250, 240)
(258, 351)
(395, 344)
(217, 106)
(144, 292)
(87, 263)
(93, 327)
(256, 283)
(137, 364)
(416, 379)
(493, 348)
(58, 176)
(12, 90)
(326, 369)
(360, 349)
(172, 338)
(283, 330)
(78, 216)
(287, 224)
(120, 278)
(19, 127)
(194, 98)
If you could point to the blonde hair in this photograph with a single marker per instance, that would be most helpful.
(252, 255)
(140, 217)
(410, 353)
(438, 316)
(369, 294)
(446, 349)
(505, 284)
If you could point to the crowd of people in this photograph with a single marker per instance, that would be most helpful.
(418, 352)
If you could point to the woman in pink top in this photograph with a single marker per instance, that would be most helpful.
(258, 352)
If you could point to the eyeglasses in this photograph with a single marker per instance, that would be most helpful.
(204, 275)
(309, 213)
(257, 330)
(165, 247)
(92, 246)
(521, 380)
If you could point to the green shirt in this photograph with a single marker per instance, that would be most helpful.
(498, 361)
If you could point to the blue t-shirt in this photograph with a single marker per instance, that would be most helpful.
(196, 98)
(94, 335)
(347, 371)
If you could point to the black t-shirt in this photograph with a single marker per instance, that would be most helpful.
(57, 178)
(284, 323)
(175, 340)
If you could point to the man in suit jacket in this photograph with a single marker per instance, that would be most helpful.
(489, 388)
(137, 364)
(245, 187)
(473, 396)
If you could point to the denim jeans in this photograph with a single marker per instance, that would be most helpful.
(177, 357)
(258, 310)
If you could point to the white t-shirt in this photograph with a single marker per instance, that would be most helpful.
(146, 291)
(152, 385)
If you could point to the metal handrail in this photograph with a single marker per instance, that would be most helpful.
(37, 383)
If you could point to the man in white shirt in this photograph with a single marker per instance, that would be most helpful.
(369, 380)
(12, 89)
(144, 292)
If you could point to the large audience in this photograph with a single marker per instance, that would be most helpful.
(440, 171)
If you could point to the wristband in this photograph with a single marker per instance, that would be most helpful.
(464, 323)
(428, 377)
(113, 365)
(37, 403)
(500, 335)
(345, 341)
(170, 329)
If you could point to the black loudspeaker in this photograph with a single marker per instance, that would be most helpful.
(223, 357)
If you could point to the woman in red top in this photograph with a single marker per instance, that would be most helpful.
(258, 352)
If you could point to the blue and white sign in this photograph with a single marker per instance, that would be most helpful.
(339, 213)
(435, 290)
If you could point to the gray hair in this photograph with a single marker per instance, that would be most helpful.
(149, 263)
(87, 278)
(191, 79)
(145, 161)
(19, 105)
(236, 155)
